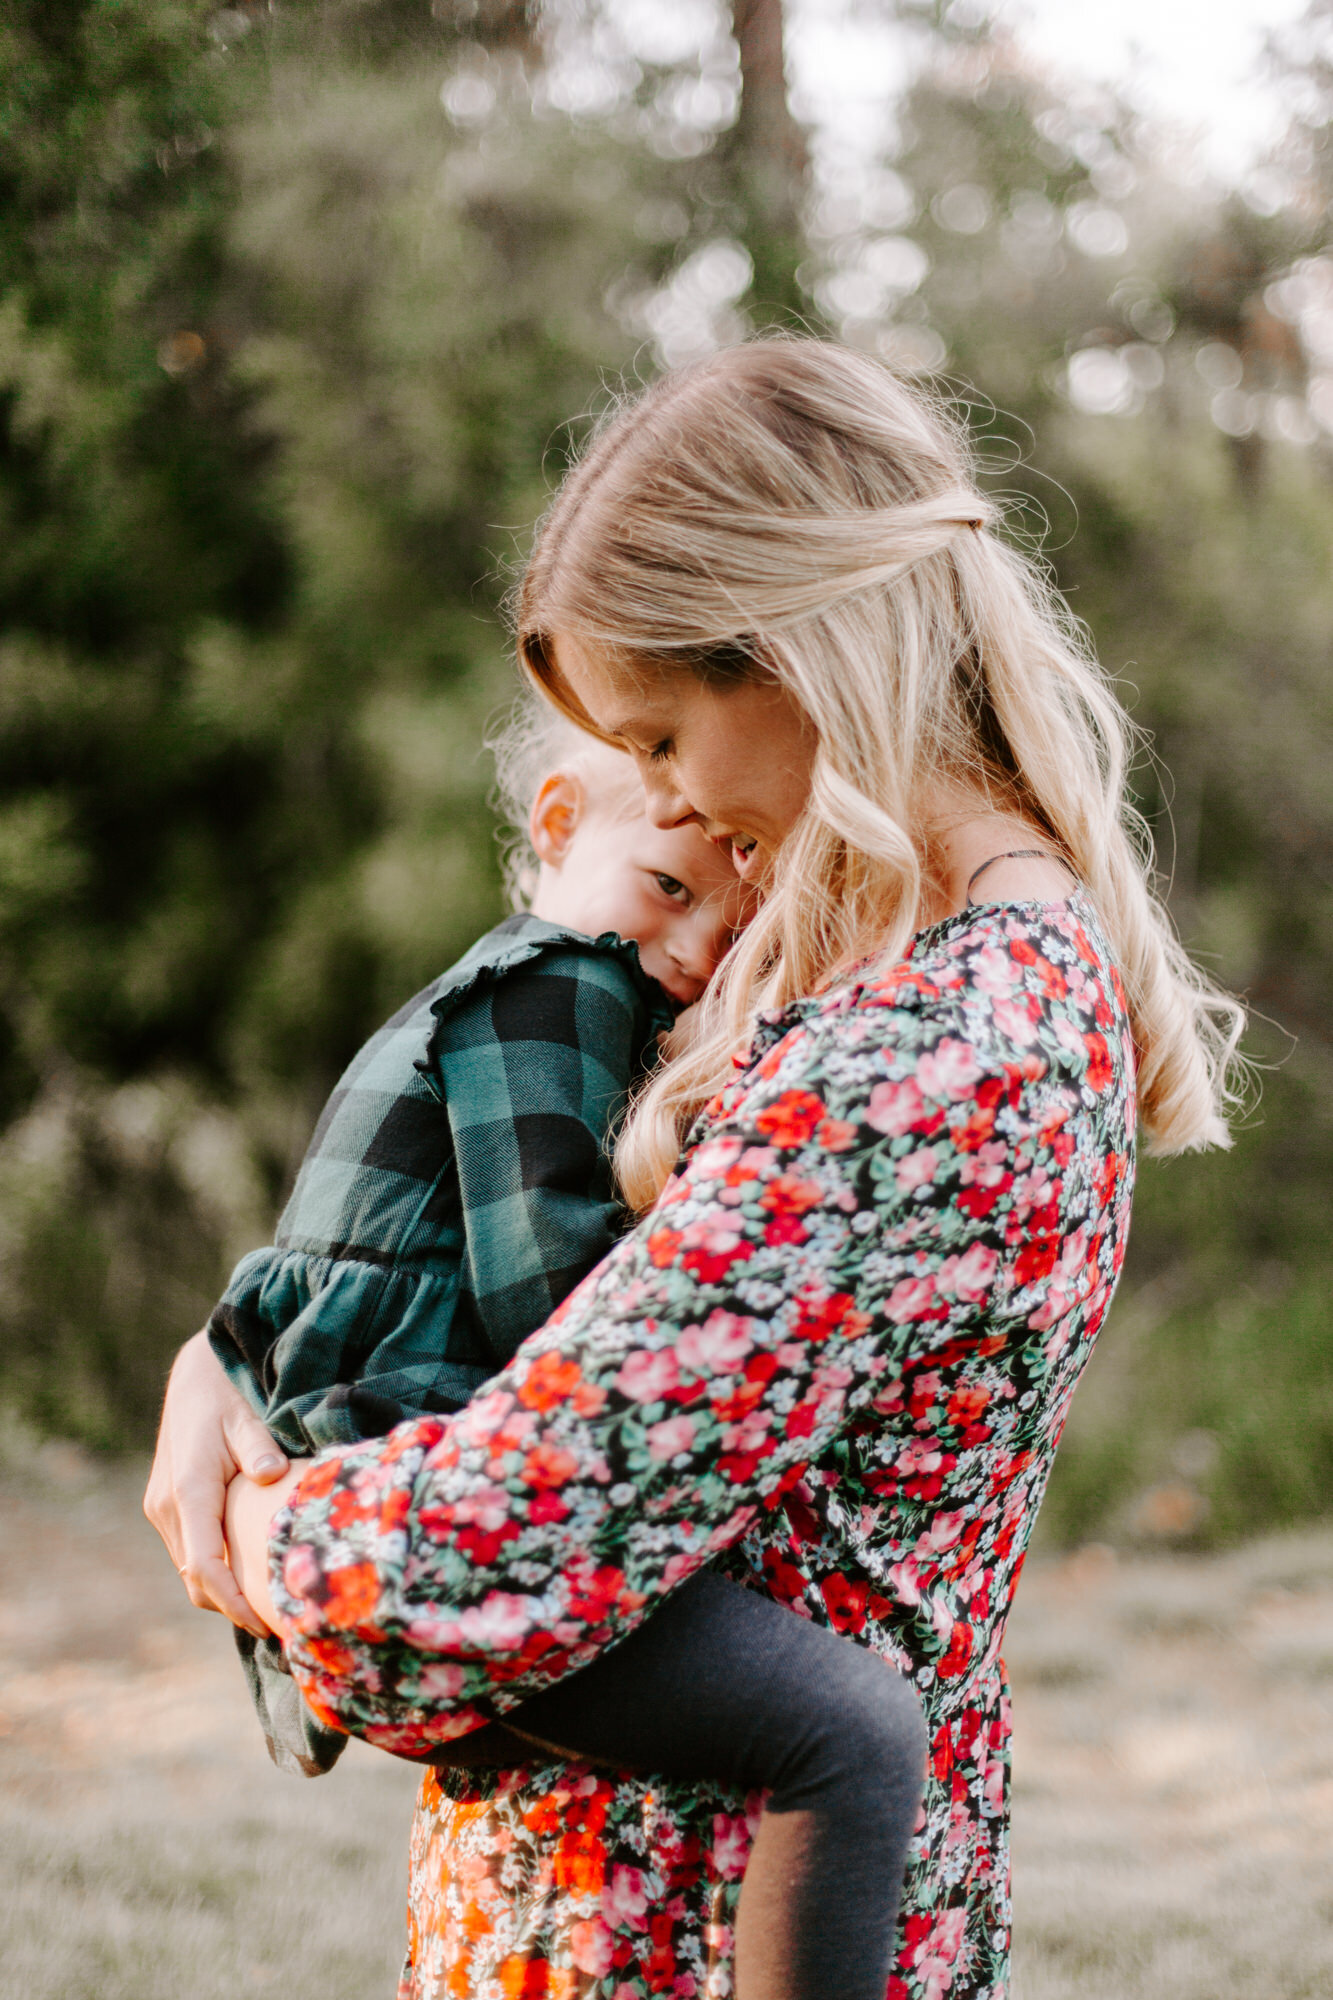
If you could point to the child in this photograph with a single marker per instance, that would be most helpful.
(457, 1187)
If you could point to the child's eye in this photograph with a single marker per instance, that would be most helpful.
(671, 887)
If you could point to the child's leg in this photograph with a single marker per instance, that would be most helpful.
(724, 1684)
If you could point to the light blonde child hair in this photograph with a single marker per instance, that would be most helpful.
(530, 743)
(790, 508)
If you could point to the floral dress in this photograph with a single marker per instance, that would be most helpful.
(835, 1359)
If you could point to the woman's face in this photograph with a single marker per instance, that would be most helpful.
(735, 761)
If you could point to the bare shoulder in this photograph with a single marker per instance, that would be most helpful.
(999, 858)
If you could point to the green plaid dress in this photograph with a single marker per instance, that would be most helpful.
(457, 1187)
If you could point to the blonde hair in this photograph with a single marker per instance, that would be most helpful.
(530, 743)
(789, 509)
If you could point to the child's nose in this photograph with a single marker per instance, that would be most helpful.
(699, 948)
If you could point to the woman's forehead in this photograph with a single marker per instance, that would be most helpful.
(615, 693)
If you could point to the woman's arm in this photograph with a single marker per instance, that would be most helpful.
(812, 1243)
(208, 1434)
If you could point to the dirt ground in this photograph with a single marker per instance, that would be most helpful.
(1173, 1795)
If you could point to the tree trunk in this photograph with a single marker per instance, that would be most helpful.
(766, 132)
(768, 161)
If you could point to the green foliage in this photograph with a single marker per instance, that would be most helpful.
(292, 348)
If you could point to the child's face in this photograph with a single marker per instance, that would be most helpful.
(605, 867)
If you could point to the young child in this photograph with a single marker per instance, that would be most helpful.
(458, 1185)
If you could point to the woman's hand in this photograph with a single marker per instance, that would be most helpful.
(208, 1434)
(249, 1515)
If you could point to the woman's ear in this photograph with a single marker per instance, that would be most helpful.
(556, 812)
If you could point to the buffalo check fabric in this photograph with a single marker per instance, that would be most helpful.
(458, 1185)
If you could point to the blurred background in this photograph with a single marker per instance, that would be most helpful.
(302, 309)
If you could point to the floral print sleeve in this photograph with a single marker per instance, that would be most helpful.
(837, 1354)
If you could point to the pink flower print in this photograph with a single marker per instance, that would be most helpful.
(1073, 1259)
(625, 1897)
(969, 1277)
(482, 1418)
(917, 1170)
(943, 1533)
(950, 1069)
(1015, 1018)
(985, 1167)
(672, 1436)
(731, 1845)
(487, 1508)
(994, 972)
(919, 1455)
(912, 1298)
(896, 1108)
(718, 1347)
(937, 1954)
(648, 1375)
(500, 1623)
(300, 1571)
(715, 1158)
(904, 1581)
(1069, 1036)
(591, 1946)
(441, 1680)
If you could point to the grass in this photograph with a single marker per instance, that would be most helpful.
(1173, 1797)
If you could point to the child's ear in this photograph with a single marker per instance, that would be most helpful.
(556, 812)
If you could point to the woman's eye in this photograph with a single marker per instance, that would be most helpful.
(671, 887)
(661, 752)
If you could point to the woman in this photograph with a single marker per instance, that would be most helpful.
(836, 1355)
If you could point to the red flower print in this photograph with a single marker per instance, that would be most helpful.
(791, 1119)
(354, 1591)
(785, 1581)
(821, 1317)
(967, 1403)
(321, 1479)
(550, 1380)
(548, 1465)
(846, 1603)
(1036, 1259)
(959, 1653)
(972, 1132)
(1099, 1072)
(789, 1195)
(948, 1070)
(662, 1247)
(712, 1256)
(483, 1545)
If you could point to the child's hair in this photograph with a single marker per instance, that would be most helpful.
(531, 742)
(789, 508)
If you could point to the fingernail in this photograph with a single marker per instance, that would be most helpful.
(268, 1463)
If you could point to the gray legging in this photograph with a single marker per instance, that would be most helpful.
(723, 1685)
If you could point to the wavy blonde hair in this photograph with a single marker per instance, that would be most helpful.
(789, 509)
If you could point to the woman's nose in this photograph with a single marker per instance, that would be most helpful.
(665, 803)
